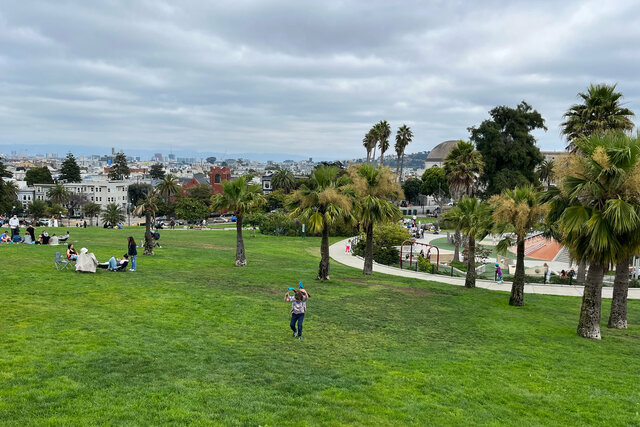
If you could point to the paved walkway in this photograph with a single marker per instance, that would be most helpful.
(336, 251)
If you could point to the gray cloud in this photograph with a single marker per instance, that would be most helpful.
(305, 78)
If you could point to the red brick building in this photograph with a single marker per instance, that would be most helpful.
(217, 175)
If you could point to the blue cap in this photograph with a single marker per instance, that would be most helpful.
(300, 283)
(291, 289)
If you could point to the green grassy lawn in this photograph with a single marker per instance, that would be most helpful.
(188, 338)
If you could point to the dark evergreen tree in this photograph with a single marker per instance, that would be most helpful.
(119, 169)
(38, 176)
(508, 148)
(411, 188)
(70, 171)
(156, 171)
(138, 192)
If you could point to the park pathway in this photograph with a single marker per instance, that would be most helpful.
(337, 253)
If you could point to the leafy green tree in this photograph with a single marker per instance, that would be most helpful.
(403, 137)
(382, 132)
(59, 194)
(37, 209)
(518, 210)
(119, 169)
(91, 210)
(242, 198)
(156, 171)
(168, 188)
(508, 149)
(434, 184)
(276, 200)
(202, 193)
(599, 111)
(75, 202)
(283, 179)
(374, 187)
(8, 191)
(113, 214)
(473, 218)
(70, 171)
(148, 207)
(191, 209)
(137, 192)
(40, 175)
(411, 188)
(601, 223)
(56, 209)
(321, 206)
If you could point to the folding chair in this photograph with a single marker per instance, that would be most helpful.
(61, 263)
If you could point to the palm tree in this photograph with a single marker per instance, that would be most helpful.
(374, 188)
(601, 224)
(473, 218)
(382, 131)
(242, 198)
(369, 142)
(600, 111)
(283, 179)
(37, 209)
(403, 138)
(463, 167)
(148, 206)
(168, 188)
(58, 194)
(545, 171)
(91, 210)
(320, 206)
(113, 214)
(519, 209)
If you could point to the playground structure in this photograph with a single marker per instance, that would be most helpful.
(413, 243)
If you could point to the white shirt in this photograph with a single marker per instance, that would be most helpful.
(14, 222)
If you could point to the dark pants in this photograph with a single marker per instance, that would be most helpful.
(297, 318)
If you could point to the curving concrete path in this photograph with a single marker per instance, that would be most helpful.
(337, 253)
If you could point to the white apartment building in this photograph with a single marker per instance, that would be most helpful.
(100, 192)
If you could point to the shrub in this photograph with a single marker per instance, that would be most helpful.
(386, 255)
(385, 238)
(425, 266)
(278, 224)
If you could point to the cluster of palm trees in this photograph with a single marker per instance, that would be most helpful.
(594, 210)
(378, 137)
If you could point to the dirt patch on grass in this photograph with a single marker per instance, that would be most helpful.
(315, 251)
(414, 291)
(210, 246)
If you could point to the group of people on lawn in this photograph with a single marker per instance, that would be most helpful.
(87, 262)
(30, 236)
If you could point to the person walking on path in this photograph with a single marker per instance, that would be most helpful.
(298, 309)
(347, 249)
(547, 273)
(498, 273)
(133, 253)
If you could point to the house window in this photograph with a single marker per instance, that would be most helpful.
(217, 178)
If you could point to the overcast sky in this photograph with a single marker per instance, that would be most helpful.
(296, 77)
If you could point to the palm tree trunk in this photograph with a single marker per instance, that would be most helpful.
(582, 273)
(381, 158)
(241, 259)
(373, 158)
(517, 288)
(590, 311)
(470, 280)
(323, 268)
(618, 315)
(401, 166)
(456, 241)
(148, 237)
(368, 155)
(398, 168)
(368, 252)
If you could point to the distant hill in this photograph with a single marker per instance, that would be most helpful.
(411, 160)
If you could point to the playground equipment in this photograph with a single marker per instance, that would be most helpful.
(413, 243)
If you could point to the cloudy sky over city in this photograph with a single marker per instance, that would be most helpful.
(296, 77)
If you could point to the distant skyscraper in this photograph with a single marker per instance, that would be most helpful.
(157, 157)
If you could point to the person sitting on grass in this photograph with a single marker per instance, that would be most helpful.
(72, 254)
(298, 309)
(17, 238)
(117, 263)
(64, 238)
(4, 238)
(54, 240)
(86, 262)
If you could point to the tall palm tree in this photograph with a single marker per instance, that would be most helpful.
(283, 179)
(91, 210)
(599, 111)
(473, 218)
(168, 187)
(463, 167)
(242, 198)
(369, 142)
(545, 171)
(383, 131)
(148, 206)
(113, 214)
(374, 187)
(320, 206)
(58, 194)
(519, 210)
(37, 209)
(403, 137)
(603, 184)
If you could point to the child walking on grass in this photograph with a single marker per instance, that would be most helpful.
(298, 309)
(498, 273)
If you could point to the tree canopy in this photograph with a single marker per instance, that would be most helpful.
(40, 175)
(434, 183)
(119, 169)
(508, 149)
(70, 171)
(411, 188)
(156, 171)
